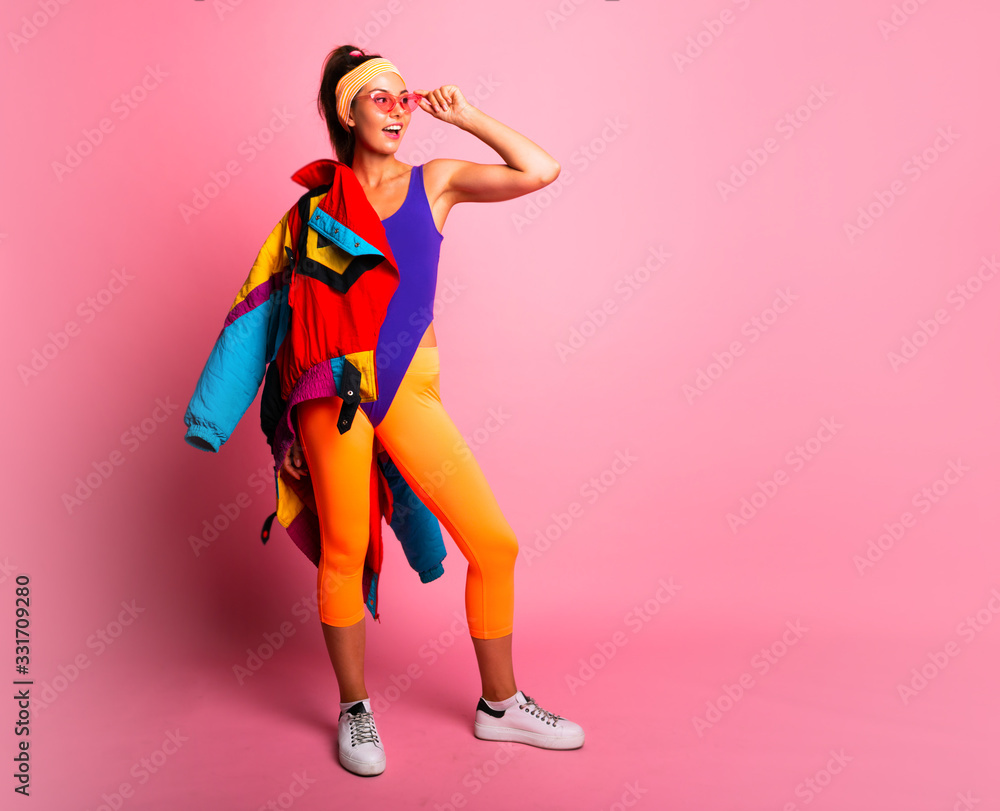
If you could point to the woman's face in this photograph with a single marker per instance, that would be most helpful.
(370, 122)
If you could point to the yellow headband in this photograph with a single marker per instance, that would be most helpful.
(352, 81)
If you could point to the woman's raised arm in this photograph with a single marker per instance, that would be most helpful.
(528, 167)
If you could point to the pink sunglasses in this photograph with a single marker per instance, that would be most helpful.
(386, 102)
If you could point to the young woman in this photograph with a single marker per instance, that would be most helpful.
(367, 108)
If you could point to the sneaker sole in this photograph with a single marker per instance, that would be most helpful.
(493, 733)
(364, 769)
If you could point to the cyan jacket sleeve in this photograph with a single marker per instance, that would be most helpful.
(235, 367)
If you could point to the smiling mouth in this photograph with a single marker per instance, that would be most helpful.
(393, 130)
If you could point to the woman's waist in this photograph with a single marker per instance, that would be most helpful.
(425, 360)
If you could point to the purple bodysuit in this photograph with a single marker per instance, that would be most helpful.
(416, 246)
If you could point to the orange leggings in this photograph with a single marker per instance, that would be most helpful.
(437, 463)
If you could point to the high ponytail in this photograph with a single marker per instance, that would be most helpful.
(337, 63)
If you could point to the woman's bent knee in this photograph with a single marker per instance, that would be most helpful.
(504, 548)
(340, 596)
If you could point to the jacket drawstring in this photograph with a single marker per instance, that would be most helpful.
(265, 531)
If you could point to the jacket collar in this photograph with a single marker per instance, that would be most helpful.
(318, 173)
(345, 206)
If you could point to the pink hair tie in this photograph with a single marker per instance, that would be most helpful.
(356, 53)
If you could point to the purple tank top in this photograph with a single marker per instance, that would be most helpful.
(416, 245)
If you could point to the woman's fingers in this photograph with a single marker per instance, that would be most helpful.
(295, 463)
(435, 99)
(299, 458)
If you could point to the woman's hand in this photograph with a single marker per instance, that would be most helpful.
(295, 461)
(446, 103)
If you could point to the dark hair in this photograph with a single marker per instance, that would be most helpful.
(338, 62)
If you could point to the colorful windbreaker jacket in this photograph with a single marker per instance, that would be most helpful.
(307, 317)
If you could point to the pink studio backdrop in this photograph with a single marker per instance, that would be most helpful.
(732, 378)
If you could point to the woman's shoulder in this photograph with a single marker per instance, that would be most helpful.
(439, 173)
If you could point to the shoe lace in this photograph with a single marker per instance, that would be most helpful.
(363, 729)
(538, 712)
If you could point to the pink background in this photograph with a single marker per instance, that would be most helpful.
(645, 137)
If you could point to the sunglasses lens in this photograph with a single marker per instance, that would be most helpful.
(410, 102)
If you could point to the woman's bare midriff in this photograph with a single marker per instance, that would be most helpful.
(429, 338)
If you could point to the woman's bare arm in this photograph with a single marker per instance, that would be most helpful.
(528, 167)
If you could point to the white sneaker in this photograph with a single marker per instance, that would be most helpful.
(360, 749)
(526, 722)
